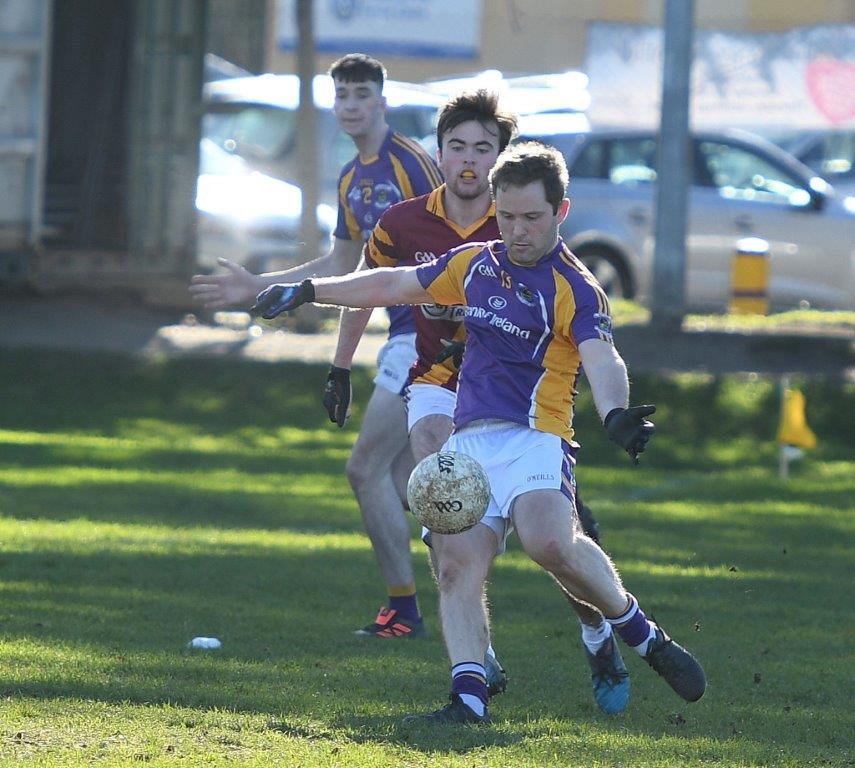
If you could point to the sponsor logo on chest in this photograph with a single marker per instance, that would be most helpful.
(497, 321)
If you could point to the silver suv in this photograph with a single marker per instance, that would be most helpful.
(742, 186)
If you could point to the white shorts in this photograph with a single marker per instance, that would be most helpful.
(517, 460)
(394, 361)
(428, 400)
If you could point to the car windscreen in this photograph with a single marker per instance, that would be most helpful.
(566, 143)
(266, 137)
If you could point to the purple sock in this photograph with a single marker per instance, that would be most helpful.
(632, 625)
(469, 681)
(407, 606)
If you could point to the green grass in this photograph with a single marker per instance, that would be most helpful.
(143, 503)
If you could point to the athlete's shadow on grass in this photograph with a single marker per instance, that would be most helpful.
(430, 738)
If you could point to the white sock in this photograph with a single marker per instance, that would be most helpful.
(595, 637)
(474, 703)
(490, 652)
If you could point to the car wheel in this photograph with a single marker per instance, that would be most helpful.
(610, 271)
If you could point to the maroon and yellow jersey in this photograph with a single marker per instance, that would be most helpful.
(416, 232)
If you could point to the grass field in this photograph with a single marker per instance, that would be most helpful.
(144, 503)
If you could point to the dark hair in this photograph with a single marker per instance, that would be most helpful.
(480, 105)
(528, 161)
(357, 68)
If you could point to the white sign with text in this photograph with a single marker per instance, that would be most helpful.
(803, 78)
(417, 28)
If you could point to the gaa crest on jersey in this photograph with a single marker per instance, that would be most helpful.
(386, 195)
(603, 323)
(525, 295)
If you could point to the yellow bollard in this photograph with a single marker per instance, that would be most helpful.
(749, 284)
(794, 429)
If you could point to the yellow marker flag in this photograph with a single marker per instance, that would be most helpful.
(794, 429)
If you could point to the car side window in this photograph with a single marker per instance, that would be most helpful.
(256, 133)
(589, 164)
(405, 121)
(834, 156)
(739, 174)
(632, 161)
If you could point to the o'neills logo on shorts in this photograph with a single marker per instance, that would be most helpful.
(535, 478)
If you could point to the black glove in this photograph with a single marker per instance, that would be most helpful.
(629, 428)
(452, 349)
(282, 297)
(337, 394)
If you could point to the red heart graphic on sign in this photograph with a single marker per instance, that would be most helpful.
(831, 84)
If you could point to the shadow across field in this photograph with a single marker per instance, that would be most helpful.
(106, 393)
(111, 625)
(205, 518)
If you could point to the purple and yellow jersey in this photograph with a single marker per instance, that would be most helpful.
(400, 170)
(413, 233)
(523, 330)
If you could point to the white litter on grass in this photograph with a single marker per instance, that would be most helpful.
(205, 643)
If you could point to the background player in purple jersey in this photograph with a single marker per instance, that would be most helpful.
(388, 168)
(535, 315)
(471, 132)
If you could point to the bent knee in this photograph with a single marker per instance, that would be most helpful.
(453, 573)
(447, 576)
(554, 555)
(429, 434)
(366, 464)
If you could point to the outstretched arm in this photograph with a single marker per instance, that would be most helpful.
(239, 287)
(342, 259)
(384, 287)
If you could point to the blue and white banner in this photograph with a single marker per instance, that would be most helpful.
(416, 28)
(802, 78)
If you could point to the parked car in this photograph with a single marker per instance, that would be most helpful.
(831, 154)
(563, 94)
(248, 196)
(741, 186)
(248, 216)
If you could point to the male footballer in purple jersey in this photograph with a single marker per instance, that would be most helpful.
(388, 168)
(534, 316)
(471, 132)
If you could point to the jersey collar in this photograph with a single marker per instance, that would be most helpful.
(559, 251)
(436, 206)
(383, 146)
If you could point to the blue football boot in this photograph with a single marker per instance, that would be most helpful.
(497, 679)
(609, 677)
